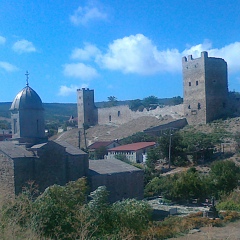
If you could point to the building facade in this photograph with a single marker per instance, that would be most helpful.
(29, 156)
(205, 85)
(134, 152)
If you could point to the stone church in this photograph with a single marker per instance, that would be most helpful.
(29, 156)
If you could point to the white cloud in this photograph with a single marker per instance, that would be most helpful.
(80, 70)
(230, 53)
(137, 54)
(66, 91)
(83, 15)
(89, 51)
(8, 67)
(23, 46)
(2, 40)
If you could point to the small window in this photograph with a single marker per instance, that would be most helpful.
(199, 106)
(189, 84)
(80, 98)
(189, 107)
(118, 113)
(196, 83)
(110, 118)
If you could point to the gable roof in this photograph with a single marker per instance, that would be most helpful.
(100, 144)
(133, 146)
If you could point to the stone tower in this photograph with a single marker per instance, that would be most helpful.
(27, 117)
(87, 112)
(205, 87)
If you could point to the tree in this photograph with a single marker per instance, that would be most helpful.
(150, 101)
(225, 176)
(178, 155)
(100, 152)
(112, 101)
(135, 104)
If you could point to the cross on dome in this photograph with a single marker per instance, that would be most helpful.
(27, 74)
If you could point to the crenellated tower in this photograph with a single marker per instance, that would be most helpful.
(205, 87)
(86, 107)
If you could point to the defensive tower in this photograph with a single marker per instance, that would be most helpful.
(86, 108)
(205, 87)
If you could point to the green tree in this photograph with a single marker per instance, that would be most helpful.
(55, 208)
(112, 101)
(150, 101)
(100, 152)
(131, 213)
(135, 104)
(225, 176)
(178, 155)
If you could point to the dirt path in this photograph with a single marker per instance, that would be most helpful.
(231, 232)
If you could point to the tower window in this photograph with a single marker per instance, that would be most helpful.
(196, 83)
(189, 84)
(110, 118)
(14, 125)
(199, 106)
(189, 107)
(118, 113)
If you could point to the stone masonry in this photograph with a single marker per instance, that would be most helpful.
(205, 86)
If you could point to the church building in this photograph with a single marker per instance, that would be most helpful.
(29, 156)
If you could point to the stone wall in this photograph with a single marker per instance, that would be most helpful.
(50, 166)
(122, 114)
(7, 186)
(23, 172)
(120, 185)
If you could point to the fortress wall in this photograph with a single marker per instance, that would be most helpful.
(122, 114)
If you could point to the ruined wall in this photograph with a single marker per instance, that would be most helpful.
(122, 114)
(205, 88)
(90, 115)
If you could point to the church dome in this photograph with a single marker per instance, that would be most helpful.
(27, 98)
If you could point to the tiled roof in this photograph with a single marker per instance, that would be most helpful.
(100, 144)
(133, 146)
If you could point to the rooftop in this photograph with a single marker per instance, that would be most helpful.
(100, 144)
(110, 166)
(133, 146)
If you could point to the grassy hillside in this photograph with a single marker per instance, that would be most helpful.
(54, 112)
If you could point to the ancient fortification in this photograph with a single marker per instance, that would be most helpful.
(205, 85)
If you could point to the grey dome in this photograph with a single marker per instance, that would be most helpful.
(27, 98)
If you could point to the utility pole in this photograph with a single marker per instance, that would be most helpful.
(169, 148)
(79, 138)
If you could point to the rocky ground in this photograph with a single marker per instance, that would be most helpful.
(230, 232)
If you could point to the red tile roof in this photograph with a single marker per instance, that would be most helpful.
(97, 145)
(133, 146)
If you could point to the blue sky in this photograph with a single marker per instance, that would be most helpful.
(124, 48)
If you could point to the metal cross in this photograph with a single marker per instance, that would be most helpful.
(27, 74)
